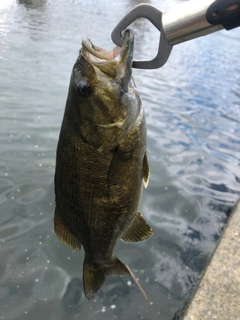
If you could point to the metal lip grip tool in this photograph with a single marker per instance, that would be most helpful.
(184, 22)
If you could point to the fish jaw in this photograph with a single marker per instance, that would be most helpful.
(117, 63)
(126, 60)
(108, 111)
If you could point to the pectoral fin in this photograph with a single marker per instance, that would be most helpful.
(139, 230)
(115, 170)
(63, 234)
(146, 170)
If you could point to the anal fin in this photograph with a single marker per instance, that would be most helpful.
(139, 230)
(64, 235)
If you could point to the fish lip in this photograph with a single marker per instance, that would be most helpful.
(126, 52)
(120, 58)
(97, 52)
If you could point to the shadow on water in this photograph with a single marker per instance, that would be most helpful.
(118, 300)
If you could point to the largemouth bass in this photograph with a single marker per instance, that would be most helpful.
(101, 161)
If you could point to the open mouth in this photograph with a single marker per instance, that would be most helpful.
(99, 53)
(116, 63)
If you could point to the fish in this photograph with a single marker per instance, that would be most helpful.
(101, 161)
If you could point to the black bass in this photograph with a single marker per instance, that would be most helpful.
(101, 161)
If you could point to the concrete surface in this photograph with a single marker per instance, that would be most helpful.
(218, 294)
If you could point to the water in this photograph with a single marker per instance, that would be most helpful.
(193, 114)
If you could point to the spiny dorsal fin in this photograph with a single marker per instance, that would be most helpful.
(139, 230)
(63, 234)
(146, 170)
(94, 275)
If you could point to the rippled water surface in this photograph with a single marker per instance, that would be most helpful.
(192, 107)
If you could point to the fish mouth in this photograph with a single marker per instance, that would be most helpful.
(116, 64)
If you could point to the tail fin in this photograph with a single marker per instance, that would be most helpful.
(94, 275)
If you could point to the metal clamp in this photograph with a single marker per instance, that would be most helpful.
(186, 21)
(155, 17)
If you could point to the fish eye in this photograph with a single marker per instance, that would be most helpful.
(83, 88)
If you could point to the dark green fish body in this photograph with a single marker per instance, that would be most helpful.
(101, 162)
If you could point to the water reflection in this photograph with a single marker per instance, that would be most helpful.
(33, 4)
(35, 16)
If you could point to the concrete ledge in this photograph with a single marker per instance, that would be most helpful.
(218, 294)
